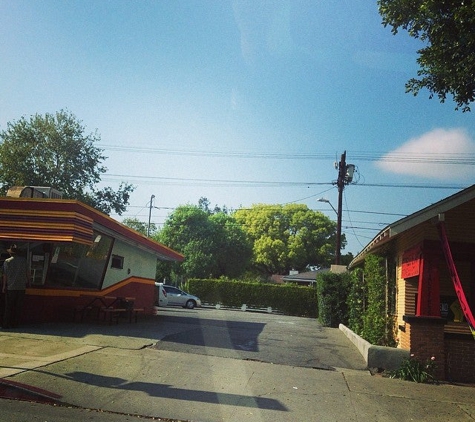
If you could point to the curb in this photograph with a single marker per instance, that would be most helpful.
(387, 358)
(18, 391)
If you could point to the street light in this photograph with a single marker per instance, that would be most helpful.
(338, 229)
(329, 203)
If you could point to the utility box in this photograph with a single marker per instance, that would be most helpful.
(34, 192)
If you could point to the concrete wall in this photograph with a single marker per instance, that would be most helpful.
(388, 358)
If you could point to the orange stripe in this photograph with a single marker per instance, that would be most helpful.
(34, 291)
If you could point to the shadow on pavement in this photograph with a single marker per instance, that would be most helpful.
(169, 392)
(222, 334)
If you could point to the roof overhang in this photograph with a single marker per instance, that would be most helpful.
(34, 220)
(407, 223)
(60, 220)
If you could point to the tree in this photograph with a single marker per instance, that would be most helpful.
(140, 226)
(447, 29)
(54, 150)
(213, 244)
(233, 249)
(204, 204)
(288, 237)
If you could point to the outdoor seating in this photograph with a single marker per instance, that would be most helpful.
(111, 308)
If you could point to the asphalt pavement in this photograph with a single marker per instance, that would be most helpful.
(207, 365)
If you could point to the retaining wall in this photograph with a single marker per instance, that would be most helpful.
(388, 358)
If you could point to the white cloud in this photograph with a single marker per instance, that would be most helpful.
(440, 154)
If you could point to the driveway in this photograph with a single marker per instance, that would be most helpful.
(256, 336)
(209, 366)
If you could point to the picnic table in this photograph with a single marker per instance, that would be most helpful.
(110, 307)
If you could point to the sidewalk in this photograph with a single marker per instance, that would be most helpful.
(112, 368)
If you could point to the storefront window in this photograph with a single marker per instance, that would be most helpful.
(76, 265)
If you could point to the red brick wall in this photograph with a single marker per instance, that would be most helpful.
(405, 338)
(460, 352)
(425, 336)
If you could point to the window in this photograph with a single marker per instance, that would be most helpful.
(117, 261)
(75, 265)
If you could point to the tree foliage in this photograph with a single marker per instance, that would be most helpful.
(447, 60)
(213, 244)
(374, 319)
(233, 249)
(140, 226)
(54, 150)
(288, 237)
(332, 293)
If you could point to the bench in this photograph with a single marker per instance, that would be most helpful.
(83, 310)
(113, 314)
(135, 312)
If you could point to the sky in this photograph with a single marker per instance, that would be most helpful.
(241, 102)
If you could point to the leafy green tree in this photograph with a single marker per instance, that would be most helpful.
(204, 204)
(213, 244)
(447, 60)
(233, 248)
(140, 226)
(288, 237)
(346, 258)
(54, 150)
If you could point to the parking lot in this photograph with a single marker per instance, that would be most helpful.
(258, 336)
(207, 365)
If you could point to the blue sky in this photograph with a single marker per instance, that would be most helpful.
(240, 101)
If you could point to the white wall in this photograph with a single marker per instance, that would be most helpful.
(136, 263)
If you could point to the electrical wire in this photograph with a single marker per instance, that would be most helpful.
(255, 183)
(409, 157)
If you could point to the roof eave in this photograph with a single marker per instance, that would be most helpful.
(407, 223)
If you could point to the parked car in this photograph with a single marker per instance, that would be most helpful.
(178, 297)
(161, 298)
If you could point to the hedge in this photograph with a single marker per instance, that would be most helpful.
(289, 299)
(332, 293)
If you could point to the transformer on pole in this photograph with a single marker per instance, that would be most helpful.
(345, 176)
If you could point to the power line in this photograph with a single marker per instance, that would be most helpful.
(411, 186)
(210, 182)
(398, 157)
(255, 183)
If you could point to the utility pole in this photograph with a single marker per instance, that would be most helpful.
(340, 183)
(345, 176)
(150, 214)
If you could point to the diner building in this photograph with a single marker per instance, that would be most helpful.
(76, 254)
(431, 255)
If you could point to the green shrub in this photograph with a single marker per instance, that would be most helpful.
(287, 298)
(332, 293)
(374, 319)
(412, 369)
(372, 301)
(356, 301)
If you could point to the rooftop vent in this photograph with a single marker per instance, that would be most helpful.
(34, 192)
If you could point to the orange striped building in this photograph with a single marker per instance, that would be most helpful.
(76, 253)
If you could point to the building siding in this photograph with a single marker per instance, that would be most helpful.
(137, 263)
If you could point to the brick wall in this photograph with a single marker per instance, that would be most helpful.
(424, 337)
(460, 353)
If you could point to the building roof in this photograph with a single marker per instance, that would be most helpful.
(307, 277)
(426, 214)
(65, 220)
